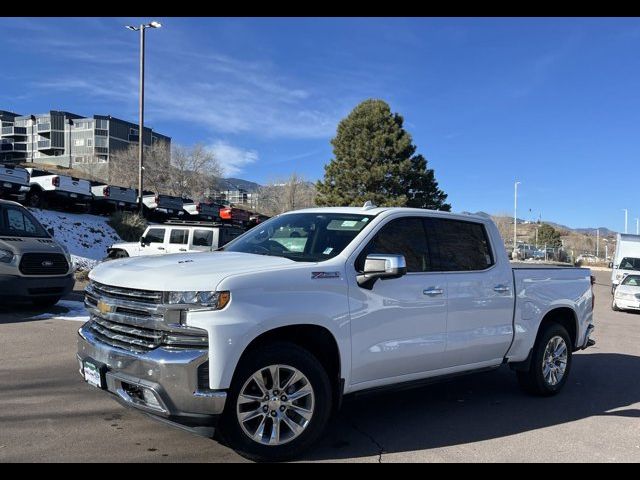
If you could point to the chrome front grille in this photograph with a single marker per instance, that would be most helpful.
(134, 320)
(143, 296)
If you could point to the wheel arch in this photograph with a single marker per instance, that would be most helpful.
(316, 339)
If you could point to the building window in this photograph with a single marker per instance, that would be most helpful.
(101, 142)
(102, 124)
(89, 142)
(78, 142)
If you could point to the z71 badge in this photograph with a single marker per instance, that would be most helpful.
(315, 275)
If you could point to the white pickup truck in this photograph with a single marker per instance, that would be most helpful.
(63, 190)
(14, 182)
(264, 338)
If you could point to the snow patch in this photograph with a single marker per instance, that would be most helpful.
(86, 236)
(74, 311)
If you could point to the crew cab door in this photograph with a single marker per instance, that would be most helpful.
(480, 292)
(178, 240)
(398, 327)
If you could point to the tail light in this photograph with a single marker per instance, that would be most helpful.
(157, 198)
(198, 208)
(225, 213)
(55, 181)
(106, 191)
(593, 293)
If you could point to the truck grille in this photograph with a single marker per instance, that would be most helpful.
(142, 296)
(136, 321)
(43, 264)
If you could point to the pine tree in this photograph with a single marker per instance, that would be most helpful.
(376, 160)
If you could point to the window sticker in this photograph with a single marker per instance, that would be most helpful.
(327, 251)
(349, 223)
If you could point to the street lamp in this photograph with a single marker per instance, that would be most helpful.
(141, 28)
(626, 217)
(515, 218)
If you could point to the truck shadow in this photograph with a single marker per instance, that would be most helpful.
(478, 407)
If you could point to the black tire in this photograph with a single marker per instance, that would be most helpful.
(533, 381)
(45, 302)
(35, 199)
(614, 307)
(280, 353)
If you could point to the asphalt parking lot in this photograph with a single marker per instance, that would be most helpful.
(48, 413)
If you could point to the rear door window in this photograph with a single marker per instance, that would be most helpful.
(461, 245)
(179, 237)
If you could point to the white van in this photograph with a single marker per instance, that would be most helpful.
(626, 260)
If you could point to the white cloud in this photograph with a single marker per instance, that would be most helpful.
(232, 159)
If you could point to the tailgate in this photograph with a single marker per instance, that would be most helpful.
(122, 194)
(170, 203)
(14, 175)
(209, 210)
(75, 185)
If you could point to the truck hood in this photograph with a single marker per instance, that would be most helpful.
(183, 272)
(22, 245)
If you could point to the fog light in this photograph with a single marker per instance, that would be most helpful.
(150, 398)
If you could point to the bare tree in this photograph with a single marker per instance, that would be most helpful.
(123, 167)
(193, 171)
(283, 195)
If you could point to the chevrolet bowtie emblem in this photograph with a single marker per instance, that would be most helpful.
(105, 307)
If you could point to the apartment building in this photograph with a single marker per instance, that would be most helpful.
(69, 140)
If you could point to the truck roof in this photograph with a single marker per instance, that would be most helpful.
(373, 210)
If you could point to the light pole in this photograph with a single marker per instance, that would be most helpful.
(637, 226)
(626, 218)
(598, 243)
(515, 218)
(141, 29)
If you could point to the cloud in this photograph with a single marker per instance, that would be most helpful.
(232, 159)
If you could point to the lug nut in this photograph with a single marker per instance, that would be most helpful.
(273, 413)
(265, 409)
(283, 398)
(282, 409)
(276, 392)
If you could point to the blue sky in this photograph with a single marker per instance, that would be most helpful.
(553, 103)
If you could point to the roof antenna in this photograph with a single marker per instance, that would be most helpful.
(368, 205)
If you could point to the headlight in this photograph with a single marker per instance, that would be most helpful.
(6, 256)
(218, 300)
(624, 295)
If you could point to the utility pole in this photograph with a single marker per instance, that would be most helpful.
(626, 218)
(598, 243)
(141, 29)
(637, 226)
(515, 218)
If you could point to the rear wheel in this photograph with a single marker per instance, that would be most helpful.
(35, 199)
(550, 362)
(279, 403)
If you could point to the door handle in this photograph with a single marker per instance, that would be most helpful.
(433, 291)
(501, 289)
(183, 249)
(160, 248)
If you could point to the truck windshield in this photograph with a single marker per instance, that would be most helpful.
(629, 263)
(18, 222)
(303, 237)
(632, 281)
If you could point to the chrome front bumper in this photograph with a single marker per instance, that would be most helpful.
(161, 382)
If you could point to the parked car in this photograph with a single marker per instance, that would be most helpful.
(627, 294)
(33, 265)
(202, 210)
(161, 207)
(586, 258)
(524, 251)
(109, 198)
(14, 182)
(626, 260)
(177, 237)
(264, 338)
(49, 188)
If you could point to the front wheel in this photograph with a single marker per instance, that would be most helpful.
(278, 404)
(614, 306)
(550, 362)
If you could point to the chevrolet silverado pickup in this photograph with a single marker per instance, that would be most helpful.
(263, 339)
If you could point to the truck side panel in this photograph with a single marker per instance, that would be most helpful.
(542, 290)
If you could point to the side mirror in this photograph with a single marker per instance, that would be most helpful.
(381, 266)
(610, 264)
(143, 242)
